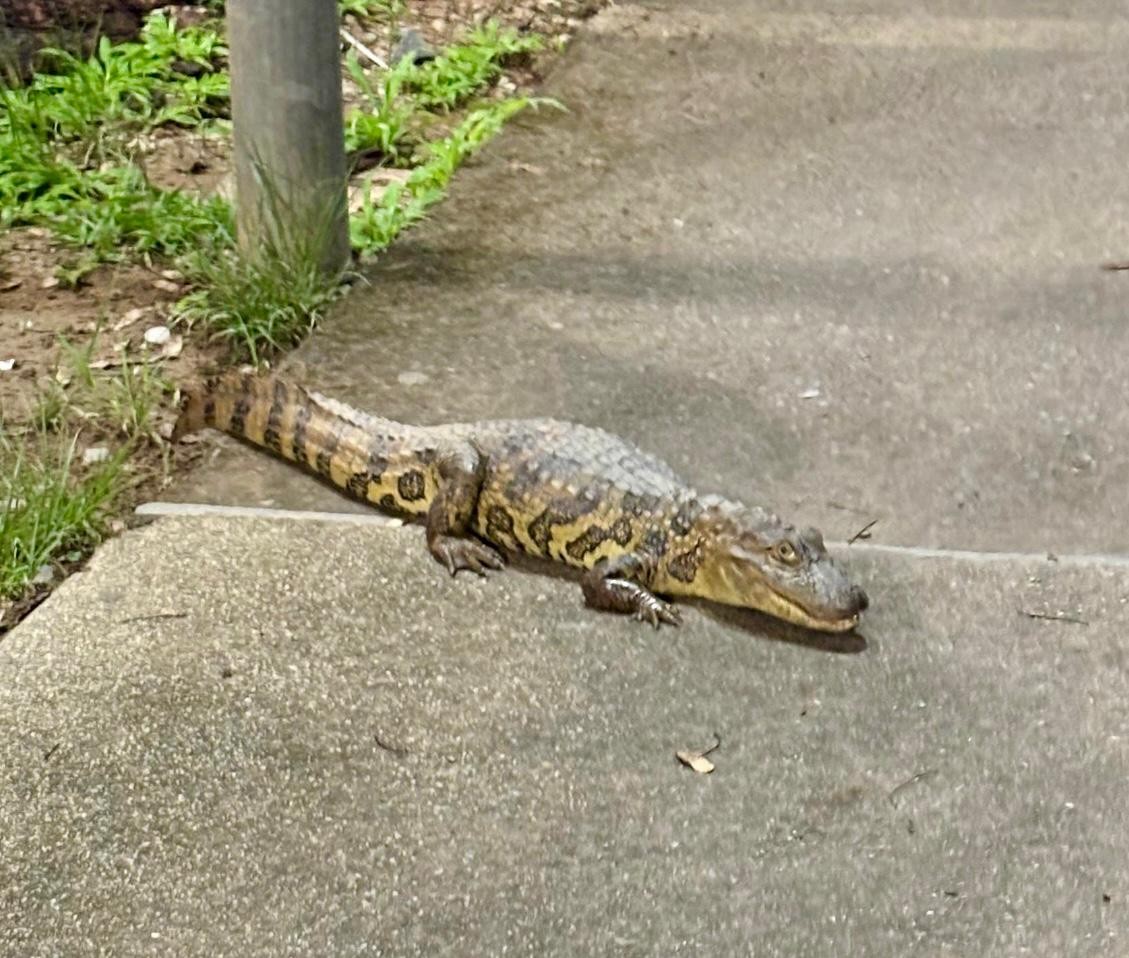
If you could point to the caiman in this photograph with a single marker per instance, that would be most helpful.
(550, 489)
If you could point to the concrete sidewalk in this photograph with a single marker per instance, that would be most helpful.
(306, 739)
(842, 263)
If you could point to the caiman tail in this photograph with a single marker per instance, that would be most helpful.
(366, 456)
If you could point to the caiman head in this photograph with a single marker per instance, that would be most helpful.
(751, 558)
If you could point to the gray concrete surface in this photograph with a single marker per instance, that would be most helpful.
(247, 736)
(198, 760)
(749, 201)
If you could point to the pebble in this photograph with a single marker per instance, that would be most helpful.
(157, 335)
(7, 365)
(411, 44)
(44, 575)
(412, 377)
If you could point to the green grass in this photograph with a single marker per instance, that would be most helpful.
(122, 86)
(384, 124)
(66, 159)
(383, 217)
(260, 305)
(399, 104)
(465, 69)
(51, 509)
(54, 508)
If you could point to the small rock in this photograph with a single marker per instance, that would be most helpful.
(95, 454)
(50, 282)
(117, 526)
(44, 575)
(411, 44)
(7, 365)
(157, 335)
(167, 285)
(172, 274)
(412, 377)
(10, 284)
(812, 393)
(173, 348)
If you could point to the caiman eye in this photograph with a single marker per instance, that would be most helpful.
(786, 552)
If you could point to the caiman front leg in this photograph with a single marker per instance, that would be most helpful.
(620, 584)
(461, 470)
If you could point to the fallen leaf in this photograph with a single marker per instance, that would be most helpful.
(129, 318)
(10, 285)
(167, 285)
(697, 759)
(699, 763)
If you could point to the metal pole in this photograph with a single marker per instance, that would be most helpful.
(288, 128)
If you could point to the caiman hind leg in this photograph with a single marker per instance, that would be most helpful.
(461, 471)
(620, 584)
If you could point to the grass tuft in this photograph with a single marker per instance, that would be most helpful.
(51, 510)
(260, 305)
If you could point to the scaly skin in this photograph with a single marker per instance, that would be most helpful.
(550, 489)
